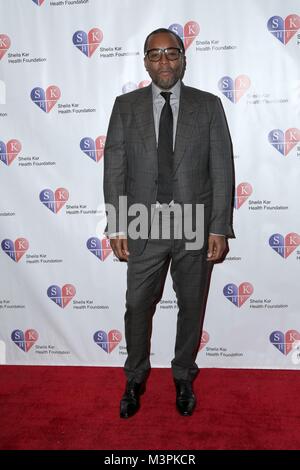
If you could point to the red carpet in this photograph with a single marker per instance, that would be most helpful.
(77, 408)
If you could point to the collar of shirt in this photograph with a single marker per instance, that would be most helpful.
(175, 90)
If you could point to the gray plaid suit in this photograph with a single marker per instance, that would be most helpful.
(203, 174)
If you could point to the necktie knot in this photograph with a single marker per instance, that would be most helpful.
(166, 95)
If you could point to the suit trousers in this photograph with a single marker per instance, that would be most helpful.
(146, 276)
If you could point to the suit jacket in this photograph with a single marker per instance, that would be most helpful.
(202, 160)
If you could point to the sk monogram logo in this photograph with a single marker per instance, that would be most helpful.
(284, 246)
(131, 86)
(284, 342)
(54, 200)
(234, 89)
(243, 191)
(187, 33)
(108, 341)
(238, 294)
(47, 100)
(25, 340)
(93, 148)
(284, 142)
(88, 43)
(38, 2)
(204, 340)
(100, 248)
(4, 44)
(284, 30)
(15, 250)
(61, 296)
(9, 151)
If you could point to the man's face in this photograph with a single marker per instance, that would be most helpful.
(164, 73)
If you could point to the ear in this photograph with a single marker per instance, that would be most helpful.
(145, 64)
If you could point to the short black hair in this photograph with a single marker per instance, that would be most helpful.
(164, 30)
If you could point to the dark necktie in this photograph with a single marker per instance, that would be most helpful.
(165, 151)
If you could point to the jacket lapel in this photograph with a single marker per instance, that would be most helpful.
(185, 125)
(143, 111)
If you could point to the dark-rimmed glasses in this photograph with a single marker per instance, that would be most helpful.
(171, 53)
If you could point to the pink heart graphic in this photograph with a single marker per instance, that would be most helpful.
(47, 100)
(108, 341)
(284, 342)
(238, 295)
(204, 340)
(26, 340)
(284, 142)
(4, 44)
(9, 151)
(243, 192)
(61, 296)
(15, 250)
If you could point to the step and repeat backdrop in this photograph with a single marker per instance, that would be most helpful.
(62, 291)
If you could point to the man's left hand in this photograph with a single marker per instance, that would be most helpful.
(217, 245)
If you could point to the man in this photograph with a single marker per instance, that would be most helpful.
(167, 144)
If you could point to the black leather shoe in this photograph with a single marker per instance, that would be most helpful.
(185, 398)
(130, 402)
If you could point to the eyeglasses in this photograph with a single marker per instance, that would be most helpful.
(171, 53)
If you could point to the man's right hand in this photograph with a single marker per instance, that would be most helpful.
(119, 245)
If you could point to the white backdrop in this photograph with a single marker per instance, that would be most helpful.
(62, 64)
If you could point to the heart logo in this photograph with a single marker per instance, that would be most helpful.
(284, 142)
(93, 148)
(24, 340)
(9, 151)
(284, 342)
(109, 341)
(47, 100)
(234, 89)
(242, 193)
(187, 33)
(204, 340)
(38, 2)
(284, 246)
(54, 200)
(238, 295)
(15, 250)
(88, 43)
(131, 86)
(61, 296)
(4, 44)
(284, 30)
(99, 248)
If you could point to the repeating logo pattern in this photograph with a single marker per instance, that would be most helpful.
(238, 294)
(4, 44)
(284, 142)
(99, 248)
(187, 33)
(54, 200)
(61, 296)
(38, 2)
(9, 151)
(284, 29)
(242, 193)
(93, 148)
(204, 340)
(45, 100)
(131, 86)
(15, 250)
(284, 342)
(88, 42)
(284, 246)
(234, 89)
(24, 339)
(108, 341)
